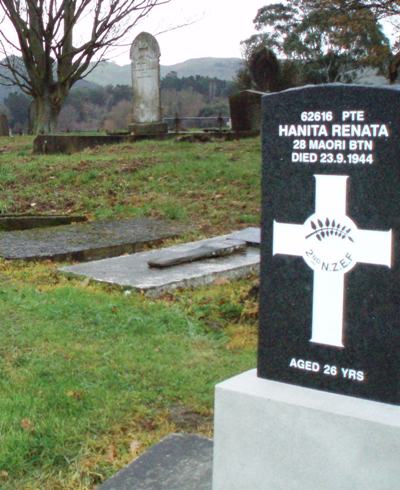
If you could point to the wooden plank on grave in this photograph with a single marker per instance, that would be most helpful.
(214, 249)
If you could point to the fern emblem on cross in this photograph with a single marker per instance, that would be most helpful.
(331, 245)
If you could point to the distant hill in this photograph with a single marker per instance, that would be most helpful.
(108, 73)
(222, 68)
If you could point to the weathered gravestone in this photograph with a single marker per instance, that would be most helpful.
(4, 128)
(245, 111)
(145, 56)
(322, 411)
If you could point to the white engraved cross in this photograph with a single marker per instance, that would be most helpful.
(331, 244)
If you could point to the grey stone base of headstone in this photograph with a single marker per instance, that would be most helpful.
(148, 129)
(134, 272)
(272, 435)
(178, 462)
(85, 241)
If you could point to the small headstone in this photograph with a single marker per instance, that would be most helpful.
(330, 290)
(145, 57)
(4, 128)
(245, 110)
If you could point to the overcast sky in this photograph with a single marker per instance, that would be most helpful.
(215, 29)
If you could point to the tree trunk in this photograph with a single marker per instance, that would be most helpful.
(44, 114)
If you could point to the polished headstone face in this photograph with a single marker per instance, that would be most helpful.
(330, 292)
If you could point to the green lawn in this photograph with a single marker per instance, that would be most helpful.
(91, 376)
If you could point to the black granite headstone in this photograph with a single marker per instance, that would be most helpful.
(330, 288)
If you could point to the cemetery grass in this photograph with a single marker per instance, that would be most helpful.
(92, 376)
(211, 186)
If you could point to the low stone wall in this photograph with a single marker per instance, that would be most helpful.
(49, 143)
(186, 123)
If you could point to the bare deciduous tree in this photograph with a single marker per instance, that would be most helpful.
(51, 44)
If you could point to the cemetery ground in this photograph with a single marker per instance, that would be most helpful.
(90, 375)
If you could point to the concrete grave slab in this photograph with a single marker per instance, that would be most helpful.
(134, 272)
(178, 462)
(85, 241)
